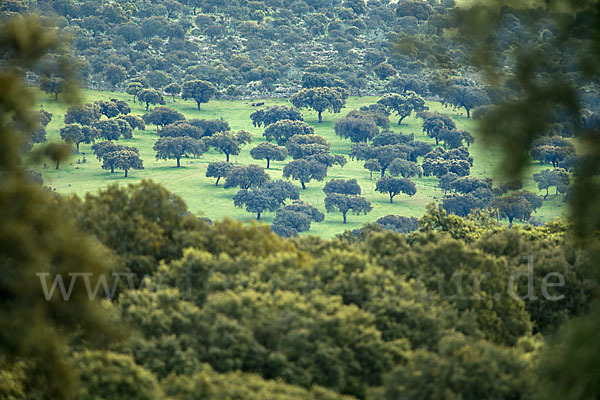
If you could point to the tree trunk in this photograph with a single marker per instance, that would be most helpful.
(320, 118)
(55, 96)
(147, 105)
(401, 119)
(344, 215)
(371, 177)
(227, 157)
(468, 112)
(268, 163)
(383, 172)
(57, 164)
(112, 169)
(546, 193)
(391, 198)
(178, 164)
(77, 147)
(198, 105)
(303, 185)
(217, 183)
(510, 221)
(258, 216)
(125, 173)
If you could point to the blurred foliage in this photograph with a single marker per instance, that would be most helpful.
(540, 61)
(38, 236)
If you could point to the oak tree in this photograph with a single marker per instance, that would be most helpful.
(269, 151)
(178, 147)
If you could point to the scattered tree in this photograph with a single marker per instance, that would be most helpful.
(341, 186)
(113, 108)
(295, 221)
(228, 143)
(112, 128)
(150, 96)
(256, 201)
(218, 170)
(101, 149)
(357, 129)
(464, 204)
(315, 80)
(321, 99)
(403, 105)
(85, 114)
(246, 177)
(161, 116)
(71, 133)
(344, 203)
(122, 159)
(305, 171)
(178, 147)
(269, 151)
(454, 138)
(210, 127)
(395, 186)
(270, 115)
(406, 168)
(304, 146)
(54, 85)
(372, 165)
(181, 128)
(281, 131)
(292, 220)
(468, 184)
(517, 205)
(548, 178)
(133, 89)
(200, 91)
(173, 90)
(439, 167)
(435, 124)
(466, 95)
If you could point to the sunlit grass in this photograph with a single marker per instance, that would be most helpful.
(204, 198)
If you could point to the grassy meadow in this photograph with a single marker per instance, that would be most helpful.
(215, 202)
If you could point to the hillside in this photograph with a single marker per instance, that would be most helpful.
(250, 48)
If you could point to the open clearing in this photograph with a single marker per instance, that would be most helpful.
(215, 202)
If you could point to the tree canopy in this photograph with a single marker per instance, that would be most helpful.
(269, 151)
(395, 186)
(403, 105)
(178, 147)
(344, 203)
(228, 143)
(321, 99)
(305, 171)
(198, 90)
(246, 177)
(282, 130)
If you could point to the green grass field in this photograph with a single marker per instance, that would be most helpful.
(204, 198)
